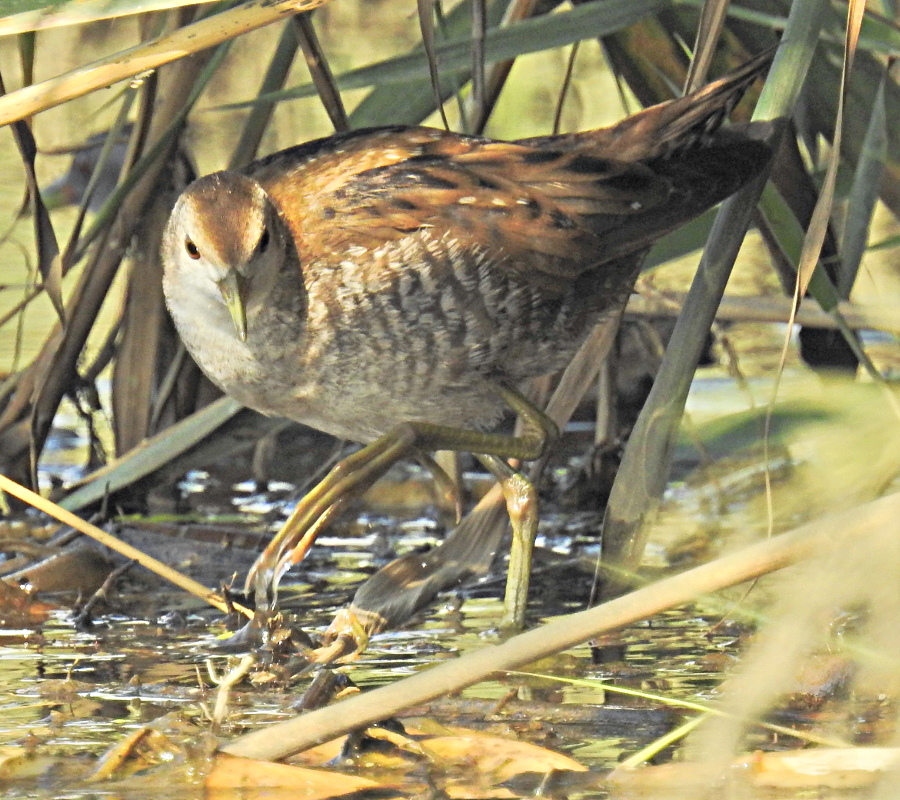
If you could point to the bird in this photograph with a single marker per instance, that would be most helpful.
(395, 286)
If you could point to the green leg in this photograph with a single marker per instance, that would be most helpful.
(522, 506)
(354, 474)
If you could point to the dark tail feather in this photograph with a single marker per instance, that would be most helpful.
(685, 122)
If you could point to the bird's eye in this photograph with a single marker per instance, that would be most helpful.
(192, 250)
(263, 241)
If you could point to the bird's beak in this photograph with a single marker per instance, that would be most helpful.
(234, 292)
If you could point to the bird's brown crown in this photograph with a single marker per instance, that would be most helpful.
(226, 219)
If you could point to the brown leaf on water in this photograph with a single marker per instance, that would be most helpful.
(476, 765)
(232, 776)
(24, 762)
(320, 754)
(463, 764)
(11, 757)
(19, 608)
(821, 767)
(138, 751)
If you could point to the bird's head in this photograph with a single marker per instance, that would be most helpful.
(226, 240)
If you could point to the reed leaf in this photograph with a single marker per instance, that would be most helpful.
(528, 36)
(642, 475)
(164, 49)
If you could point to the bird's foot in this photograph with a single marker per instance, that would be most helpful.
(346, 637)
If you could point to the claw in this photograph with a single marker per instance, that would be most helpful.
(346, 637)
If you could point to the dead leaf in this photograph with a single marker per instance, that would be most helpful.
(320, 754)
(823, 767)
(18, 607)
(139, 750)
(10, 755)
(256, 779)
(813, 769)
(476, 765)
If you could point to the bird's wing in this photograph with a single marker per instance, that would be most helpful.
(548, 208)
(540, 210)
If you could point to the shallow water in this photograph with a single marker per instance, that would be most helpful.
(77, 694)
(72, 694)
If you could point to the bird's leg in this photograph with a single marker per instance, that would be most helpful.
(351, 476)
(539, 431)
(447, 486)
(521, 505)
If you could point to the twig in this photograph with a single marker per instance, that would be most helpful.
(114, 543)
(82, 618)
(773, 309)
